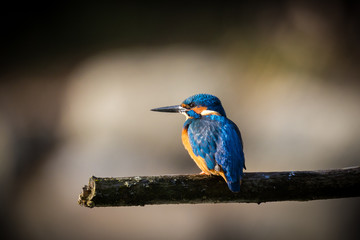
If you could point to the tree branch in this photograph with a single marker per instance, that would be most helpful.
(257, 187)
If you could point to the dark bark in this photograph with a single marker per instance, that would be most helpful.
(257, 187)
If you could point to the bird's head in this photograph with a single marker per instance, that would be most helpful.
(196, 106)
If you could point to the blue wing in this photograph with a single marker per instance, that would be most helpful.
(218, 140)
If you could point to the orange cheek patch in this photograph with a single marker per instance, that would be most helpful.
(198, 110)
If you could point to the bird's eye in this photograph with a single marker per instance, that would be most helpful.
(191, 105)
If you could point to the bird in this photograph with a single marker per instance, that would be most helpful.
(212, 140)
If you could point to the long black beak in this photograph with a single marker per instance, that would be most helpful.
(172, 109)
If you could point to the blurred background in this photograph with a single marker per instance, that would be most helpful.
(78, 80)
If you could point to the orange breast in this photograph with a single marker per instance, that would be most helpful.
(200, 162)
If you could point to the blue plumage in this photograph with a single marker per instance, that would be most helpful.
(218, 140)
(212, 140)
(206, 100)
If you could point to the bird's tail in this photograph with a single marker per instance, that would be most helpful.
(234, 186)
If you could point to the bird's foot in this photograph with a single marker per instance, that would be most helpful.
(204, 173)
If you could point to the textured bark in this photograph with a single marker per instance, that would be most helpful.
(257, 187)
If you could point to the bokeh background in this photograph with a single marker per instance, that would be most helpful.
(78, 80)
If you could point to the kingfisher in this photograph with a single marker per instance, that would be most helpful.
(213, 141)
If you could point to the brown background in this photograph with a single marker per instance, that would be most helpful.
(78, 80)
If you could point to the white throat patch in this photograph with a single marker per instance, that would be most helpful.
(209, 112)
(187, 116)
